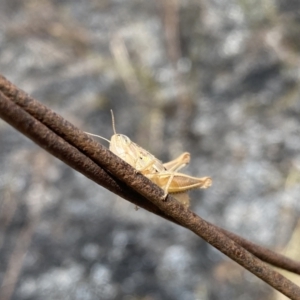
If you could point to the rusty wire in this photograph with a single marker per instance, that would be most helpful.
(74, 147)
(70, 133)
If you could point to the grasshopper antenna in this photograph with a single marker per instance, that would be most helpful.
(113, 126)
(99, 136)
(113, 121)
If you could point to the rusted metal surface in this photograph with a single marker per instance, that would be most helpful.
(266, 255)
(79, 140)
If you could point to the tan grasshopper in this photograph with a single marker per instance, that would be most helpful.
(165, 175)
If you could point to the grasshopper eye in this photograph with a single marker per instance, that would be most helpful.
(125, 139)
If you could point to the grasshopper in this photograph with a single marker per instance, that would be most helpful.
(165, 175)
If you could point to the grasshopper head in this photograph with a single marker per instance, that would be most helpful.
(119, 143)
(122, 146)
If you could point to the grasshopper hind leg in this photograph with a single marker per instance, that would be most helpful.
(167, 187)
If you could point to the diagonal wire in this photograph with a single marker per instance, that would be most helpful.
(70, 133)
(18, 118)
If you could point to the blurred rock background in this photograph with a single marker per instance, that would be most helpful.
(219, 79)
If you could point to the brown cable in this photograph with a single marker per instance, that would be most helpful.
(141, 184)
